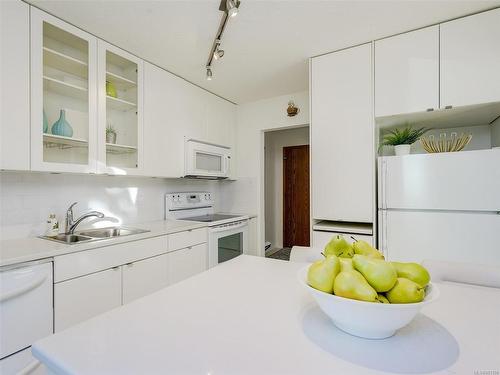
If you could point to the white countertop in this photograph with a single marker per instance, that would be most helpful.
(30, 249)
(251, 316)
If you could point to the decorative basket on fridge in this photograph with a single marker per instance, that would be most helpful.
(453, 143)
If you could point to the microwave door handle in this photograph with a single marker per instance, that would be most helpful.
(229, 227)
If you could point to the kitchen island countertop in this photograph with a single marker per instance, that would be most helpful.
(250, 315)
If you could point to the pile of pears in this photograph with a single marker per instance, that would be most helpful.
(359, 271)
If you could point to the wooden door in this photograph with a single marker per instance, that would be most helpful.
(296, 196)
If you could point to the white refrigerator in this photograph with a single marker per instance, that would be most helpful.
(440, 206)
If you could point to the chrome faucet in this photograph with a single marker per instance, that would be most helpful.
(71, 225)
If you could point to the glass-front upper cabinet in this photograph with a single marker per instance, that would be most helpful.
(63, 96)
(120, 93)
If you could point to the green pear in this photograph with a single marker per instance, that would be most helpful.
(380, 274)
(340, 247)
(322, 273)
(382, 299)
(351, 284)
(406, 291)
(346, 264)
(364, 248)
(413, 271)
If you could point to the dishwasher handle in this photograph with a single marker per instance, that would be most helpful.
(23, 290)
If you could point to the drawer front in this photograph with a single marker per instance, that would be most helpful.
(25, 307)
(188, 238)
(86, 262)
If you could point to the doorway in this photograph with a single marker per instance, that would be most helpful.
(275, 144)
(296, 196)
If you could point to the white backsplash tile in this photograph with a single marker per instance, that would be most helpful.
(26, 199)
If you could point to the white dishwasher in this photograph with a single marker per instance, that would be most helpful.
(26, 314)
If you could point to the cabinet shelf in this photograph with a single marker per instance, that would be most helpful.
(51, 140)
(65, 63)
(113, 148)
(119, 81)
(119, 104)
(64, 88)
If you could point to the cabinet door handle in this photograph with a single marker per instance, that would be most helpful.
(130, 264)
(430, 109)
(116, 268)
(448, 107)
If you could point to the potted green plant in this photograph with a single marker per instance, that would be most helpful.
(110, 134)
(402, 139)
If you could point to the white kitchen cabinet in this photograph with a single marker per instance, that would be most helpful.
(120, 108)
(63, 87)
(220, 121)
(187, 262)
(22, 363)
(407, 72)
(470, 57)
(15, 86)
(163, 123)
(144, 277)
(342, 144)
(82, 298)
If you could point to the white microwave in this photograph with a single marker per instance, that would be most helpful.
(206, 160)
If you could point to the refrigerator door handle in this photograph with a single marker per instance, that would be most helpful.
(384, 234)
(384, 184)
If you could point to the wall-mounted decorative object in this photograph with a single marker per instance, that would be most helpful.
(61, 126)
(402, 139)
(110, 134)
(453, 143)
(45, 122)
(292, 109)
(111, 89)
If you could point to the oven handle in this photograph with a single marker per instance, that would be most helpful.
(240, 224)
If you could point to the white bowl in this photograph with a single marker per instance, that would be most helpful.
(367, 319)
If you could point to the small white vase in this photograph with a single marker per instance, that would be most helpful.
(401, 150)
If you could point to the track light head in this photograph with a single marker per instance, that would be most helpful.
(209, 74)
(218, 53)
(232, 7)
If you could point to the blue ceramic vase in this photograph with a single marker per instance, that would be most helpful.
(45, 123)
(62, 127)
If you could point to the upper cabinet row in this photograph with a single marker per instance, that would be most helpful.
(94, 107)
(451, 64)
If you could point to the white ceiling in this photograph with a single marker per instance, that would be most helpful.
(267, 44)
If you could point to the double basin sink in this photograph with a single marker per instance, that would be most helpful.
(94, 235)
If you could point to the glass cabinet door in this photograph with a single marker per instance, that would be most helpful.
(120, 111)
(63, 101)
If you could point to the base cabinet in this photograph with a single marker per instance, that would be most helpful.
(187, 262)
(22, 363)
(84, 297)
(144, 277)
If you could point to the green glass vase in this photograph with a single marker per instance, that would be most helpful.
(61, 126)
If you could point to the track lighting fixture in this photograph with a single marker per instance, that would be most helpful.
(218, 53)
(230, 9)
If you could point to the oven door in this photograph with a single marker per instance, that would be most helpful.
(207, 160)
(227, 242)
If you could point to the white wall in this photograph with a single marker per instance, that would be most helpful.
(247, 193)
(26, 199)
(274, 143)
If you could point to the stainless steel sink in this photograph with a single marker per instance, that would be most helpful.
(68, 238)
(94, 235)
(110, 232)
